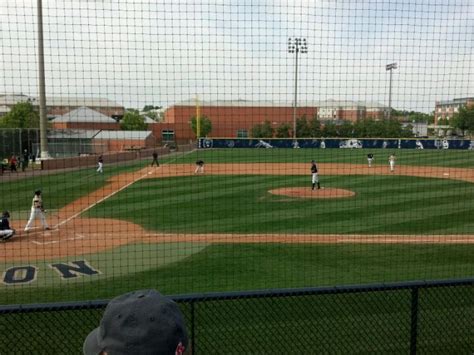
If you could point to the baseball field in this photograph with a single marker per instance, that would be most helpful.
(250, 221)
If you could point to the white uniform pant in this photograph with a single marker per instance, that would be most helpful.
(100, 169)
(392, 166)
(314, 178)
(199, 169)
(6, 233)
(369, 160)
(36, 212)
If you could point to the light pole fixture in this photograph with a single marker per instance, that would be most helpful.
(390, 67)
(296, 45)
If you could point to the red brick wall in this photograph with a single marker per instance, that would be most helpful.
(118, 145)
(85, 125)
(227, 120)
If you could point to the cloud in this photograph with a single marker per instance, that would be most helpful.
(142, 51)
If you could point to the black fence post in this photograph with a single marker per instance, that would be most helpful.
(414, 320)
(192, 329)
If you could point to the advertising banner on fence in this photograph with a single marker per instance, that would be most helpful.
(338, 143)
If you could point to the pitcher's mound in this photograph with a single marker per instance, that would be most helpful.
(306, 192)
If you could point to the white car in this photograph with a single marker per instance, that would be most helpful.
(351, 143)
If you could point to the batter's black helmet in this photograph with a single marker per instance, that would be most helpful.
(6, 214)
(38, 192)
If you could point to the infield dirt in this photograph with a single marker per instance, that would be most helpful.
(76, 235)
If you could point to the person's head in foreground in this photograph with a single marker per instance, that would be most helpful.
(139, 322)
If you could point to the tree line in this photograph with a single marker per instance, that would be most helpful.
(307, 128)
(25, 115)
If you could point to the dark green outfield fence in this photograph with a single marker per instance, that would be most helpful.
(398, 318)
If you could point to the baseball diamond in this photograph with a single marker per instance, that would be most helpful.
(91, 234)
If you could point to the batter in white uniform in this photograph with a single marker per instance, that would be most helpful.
(37, 210)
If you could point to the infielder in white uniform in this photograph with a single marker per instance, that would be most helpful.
(391, 161)
(199, 167)
(37, 210)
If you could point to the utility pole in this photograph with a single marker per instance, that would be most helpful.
(42, 86)
(390, 67)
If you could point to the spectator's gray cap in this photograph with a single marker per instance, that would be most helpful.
(139, 322)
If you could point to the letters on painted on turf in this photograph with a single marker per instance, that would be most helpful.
(21, 275)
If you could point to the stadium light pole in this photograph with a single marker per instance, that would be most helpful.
(390, 67)
(42, 86)
(296, 45)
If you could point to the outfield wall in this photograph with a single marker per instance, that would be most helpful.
(348, 143)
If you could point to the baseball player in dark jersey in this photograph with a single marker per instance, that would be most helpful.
(370, 159)
(100, 164)
(155, 159)
(6, 232)
(314, 175)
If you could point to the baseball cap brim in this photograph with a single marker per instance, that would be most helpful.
(91, 344)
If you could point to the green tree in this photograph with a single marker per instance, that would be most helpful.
(412, 116)
(147, 108)
(302, 127)
(21, 115)
(315, 127)
(345, 129)
(132, 121)
(464, 119)
(262, 130)
(329, 129)
(283, 130)
(206, 125)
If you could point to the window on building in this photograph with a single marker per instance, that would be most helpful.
(167, 135)
(242, 133)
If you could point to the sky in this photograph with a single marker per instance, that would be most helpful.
(142, 52)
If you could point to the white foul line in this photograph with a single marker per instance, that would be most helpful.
(101, 200)
(44, 243)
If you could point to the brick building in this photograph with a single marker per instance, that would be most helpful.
(445, 110)
(116, 141)
(350, 110)
(57, 106)
(236, 118)
(84, 118)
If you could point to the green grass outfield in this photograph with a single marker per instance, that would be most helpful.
(241, 204)
(447, 158)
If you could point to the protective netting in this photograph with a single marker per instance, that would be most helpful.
(220, 146)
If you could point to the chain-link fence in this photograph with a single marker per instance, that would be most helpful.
(14, 141)
(417, 317)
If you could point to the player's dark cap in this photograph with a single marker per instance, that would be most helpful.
(6, 214)
(38, 192)
(139, 322)
(312, 161)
